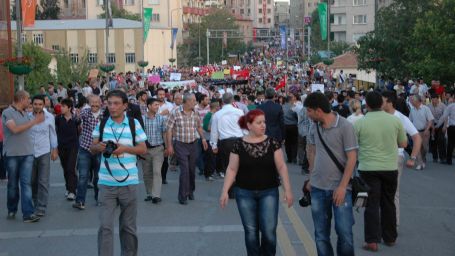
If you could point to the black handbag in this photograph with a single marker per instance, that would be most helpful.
(359, 186)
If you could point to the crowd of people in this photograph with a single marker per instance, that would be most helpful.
(107, 129)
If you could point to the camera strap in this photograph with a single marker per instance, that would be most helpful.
(110, 172)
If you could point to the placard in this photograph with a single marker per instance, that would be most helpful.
(175, 76)
(317, 87)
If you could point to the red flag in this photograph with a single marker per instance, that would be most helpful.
(281, 84)
(28, 12)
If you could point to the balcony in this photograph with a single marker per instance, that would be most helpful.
(195, 11)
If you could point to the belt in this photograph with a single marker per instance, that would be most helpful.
(187, 142)
(422, 130)
(150, 146)
(232, 138)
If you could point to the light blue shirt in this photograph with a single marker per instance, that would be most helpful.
(44, 137)
(121, 134)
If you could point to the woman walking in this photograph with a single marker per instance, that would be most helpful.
(256, 164)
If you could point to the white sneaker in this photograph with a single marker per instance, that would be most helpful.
(71, 197)
(419, 167)
(221, 175)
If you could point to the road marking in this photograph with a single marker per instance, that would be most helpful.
(283, 240)
(300, 229)
(140, 230)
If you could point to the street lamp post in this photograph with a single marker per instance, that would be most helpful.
(19, 40)
(199, 39)
(172, 48)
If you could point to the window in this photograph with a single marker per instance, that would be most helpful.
(309, 4)
(24, 37)
(128, 2)
(249, 12)
(83, 3)
(233, 11)
(359, 2)
(260, 11)
(242, 11)
(155, 17)
(56, 48)
(269, 11)
(110, 58)
(155, 2)
(269, 20)
(359, 19)
(260, 1)
(38, 39)
(260, 20)
(130, 57)
(100, 2)
(242, 2)
(74, 58)
(269, 1)
(65, 4)
(92, 58)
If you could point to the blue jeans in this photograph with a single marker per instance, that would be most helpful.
(321, 209)
(19, 170)
(259, 213)
(86, 162)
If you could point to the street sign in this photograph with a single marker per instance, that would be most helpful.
(307, 20)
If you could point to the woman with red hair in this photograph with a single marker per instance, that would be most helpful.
(256, 164)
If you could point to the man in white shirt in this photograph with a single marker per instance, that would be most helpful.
(422, 118)
(225, 130)
(165, 106)
(61, 91)
(389, 102)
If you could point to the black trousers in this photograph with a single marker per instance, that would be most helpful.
(380, 213)
(291, 142)
(224, 151)
(438, 145)
(164, 168)
(451, 143)
(2, 163)
(68, 159)
(209, 161)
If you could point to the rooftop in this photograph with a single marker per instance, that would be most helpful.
(79, 24)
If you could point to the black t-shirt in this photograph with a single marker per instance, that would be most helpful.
(257, 169)
(67, 131)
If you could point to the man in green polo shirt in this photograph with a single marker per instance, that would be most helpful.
(379, 134)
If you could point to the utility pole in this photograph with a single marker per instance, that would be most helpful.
(20, 79)
(199, 38)
(328, 26)
(143, 33)
(309, 41)
(106, 7)
(208, 47)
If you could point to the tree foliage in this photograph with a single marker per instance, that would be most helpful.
(40, 62)
(411, 38)
(118, 12)
(67, 71)
(219, 19)
(49, 10)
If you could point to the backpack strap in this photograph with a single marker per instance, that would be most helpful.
(102, 125)
(132, 125)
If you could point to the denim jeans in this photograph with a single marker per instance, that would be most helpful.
(40, 181)
(19, 170)
(321, 209)
(2, 163)
(259, 213)
(86, 162)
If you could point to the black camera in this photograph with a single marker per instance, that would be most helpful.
(110, 148)
(305, 200)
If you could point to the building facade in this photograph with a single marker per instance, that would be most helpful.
(309, 6)
(281, 13)
(296, 13)
(87, 38)
(261, 12)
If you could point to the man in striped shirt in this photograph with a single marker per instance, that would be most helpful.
(118, 175)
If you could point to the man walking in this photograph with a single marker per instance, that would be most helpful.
(379, 134)
(422, 118)
(44, 139)
(118, 174)
(155, 129)
(183, 124)
(329, 185)
(438, 140)
(290, 123)
(274, 118)
(18, 152)
(447, 122)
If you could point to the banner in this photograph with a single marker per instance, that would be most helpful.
(196, 69)
(147, 19)
(227, 71)
(317, 87)
(218, 75)
(174, 36)
(170, 85)
(154, 79)
(28, 13)
(282, 83)
(283, 36)
(175, 76)
(202, 90)
(322, 10)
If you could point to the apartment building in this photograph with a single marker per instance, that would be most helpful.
(281, 13)
(296, 13)
(310, 5)
(352, 19)
(261, 12)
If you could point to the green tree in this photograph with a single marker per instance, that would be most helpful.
(387, 48)
(219, 19)
(433, 46)
(40, 62)
(118, 12)
(67, 71)
(50, 10)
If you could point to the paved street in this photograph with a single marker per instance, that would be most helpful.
(202, 228)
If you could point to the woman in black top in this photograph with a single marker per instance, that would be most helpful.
(256, 163)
